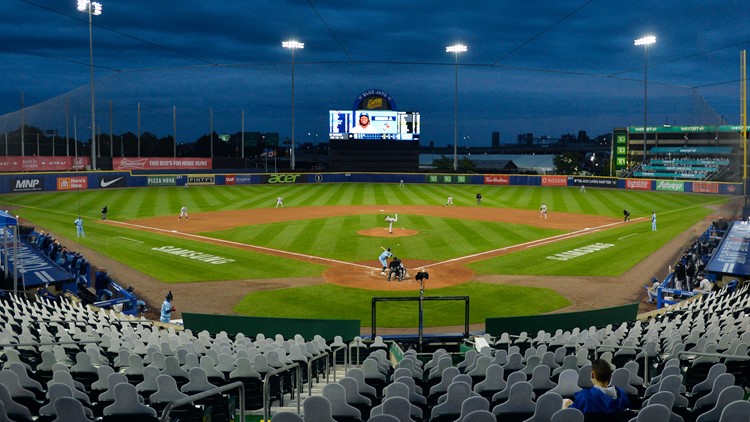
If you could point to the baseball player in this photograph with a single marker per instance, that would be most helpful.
(79, 227)
(390, 220)
(449, 202)
(583, 188)
(626, 216)
(183, 213)
(383, 258)
(280, 202)
(653, 221)
(543, 211)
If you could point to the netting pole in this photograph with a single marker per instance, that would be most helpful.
(23, 152)
(67, 127)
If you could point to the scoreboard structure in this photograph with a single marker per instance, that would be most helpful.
(373, 135)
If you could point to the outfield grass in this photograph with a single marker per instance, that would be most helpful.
(438, 239)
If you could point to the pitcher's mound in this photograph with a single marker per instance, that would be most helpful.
(383, 232)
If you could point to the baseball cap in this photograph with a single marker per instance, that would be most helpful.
(364, 114)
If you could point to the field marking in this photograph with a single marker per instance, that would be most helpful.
(625, 237)
(127, 238)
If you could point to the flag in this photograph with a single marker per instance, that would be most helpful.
(268, 153)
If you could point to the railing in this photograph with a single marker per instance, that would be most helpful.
(309, 372)
(266, 381)
(346, 360)
(204, 394)
(637, 349)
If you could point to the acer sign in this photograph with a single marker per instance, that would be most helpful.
(284, 178)
(26, 163)
(554, 180)
(161, 163)
(638, 184)
(496, 180)
(72, 183)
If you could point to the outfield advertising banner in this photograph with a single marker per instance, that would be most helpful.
(197, 179)
(26, 184)
(244, 180)
(447, 178)
(595, 181)
(72, 183)
(161, 163)
(496, 180)
(229, 179)
(705, 187)
(670, 185)
(161, 181)
(26, 163)
(113, 181)
(638, 184)
(554, 180)
(283, 179)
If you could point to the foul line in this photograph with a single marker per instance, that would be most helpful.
(625, 237)
(127, 238)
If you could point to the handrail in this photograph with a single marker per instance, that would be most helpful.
(50, 344)
(189, 399)
(266, 379)
(346, 360)
(309, 371)
(645, 356)
(713, 355)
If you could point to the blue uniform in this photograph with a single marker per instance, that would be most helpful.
(166, 311)
(79, 227)
(383, 258)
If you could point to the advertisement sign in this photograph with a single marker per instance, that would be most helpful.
(161, 163)
(595, 181)
(201, 180)
(112, 181)
(243, 180)
(285, 178)
(26, 163)
(72, 183)
(26, 184)
(446, 178)
(670, 185)
(638, 184)
(161, 181)
(554, 180)
(705, 187)
(229, 179)
(496, 180)
(620, 149)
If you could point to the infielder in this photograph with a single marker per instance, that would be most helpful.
(383, 258)
(280, 202)
(449, 202)
(653, 221)
(390, 220)
(543, 211)
(183, 213)
(79, 227)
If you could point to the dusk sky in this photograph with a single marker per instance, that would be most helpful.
(547, 67)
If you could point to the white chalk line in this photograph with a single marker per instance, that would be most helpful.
(127, 238)
(625, 237)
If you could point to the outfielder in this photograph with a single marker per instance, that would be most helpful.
(183, 213)
(280, 202)
(390, 220)
(449, 202)
(79, 227)
(383, 258)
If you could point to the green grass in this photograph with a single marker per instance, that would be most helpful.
(337, 302)
(336, 238)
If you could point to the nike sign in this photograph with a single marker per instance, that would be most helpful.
(106, 183)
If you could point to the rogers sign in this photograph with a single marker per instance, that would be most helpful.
(638, 184)
(496, 180)
(554, 180)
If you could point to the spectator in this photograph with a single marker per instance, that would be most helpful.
(101, 284)
(601, 398)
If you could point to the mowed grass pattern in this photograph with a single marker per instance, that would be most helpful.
(439, 238)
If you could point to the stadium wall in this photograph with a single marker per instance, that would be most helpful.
(66, 181)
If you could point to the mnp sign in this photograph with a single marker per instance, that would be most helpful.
(26, 184)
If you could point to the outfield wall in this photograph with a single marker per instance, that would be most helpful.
(288, 327)
(28, 182)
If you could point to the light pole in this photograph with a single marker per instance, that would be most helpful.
(292, 45)
(645, 42)
(92, 8)
(455, 48)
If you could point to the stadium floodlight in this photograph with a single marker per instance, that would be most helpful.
(292, 45)
(455, 48)
(645, 42)
(91, 8)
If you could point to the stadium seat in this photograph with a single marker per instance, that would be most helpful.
(69, 409)
(341, 411)
(567, 415)
(546, 405)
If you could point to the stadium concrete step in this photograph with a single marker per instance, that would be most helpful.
(290, 405)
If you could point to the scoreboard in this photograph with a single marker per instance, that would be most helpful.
(383, 125)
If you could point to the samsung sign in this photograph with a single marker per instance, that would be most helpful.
(26, 184)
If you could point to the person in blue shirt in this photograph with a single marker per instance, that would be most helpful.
(383, 258)
(601, 398)
(79, 227)
(167, 308)
(101, 284)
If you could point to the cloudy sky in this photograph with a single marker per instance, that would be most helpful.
(546, 66)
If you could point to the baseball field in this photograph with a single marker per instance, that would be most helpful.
(317, 256)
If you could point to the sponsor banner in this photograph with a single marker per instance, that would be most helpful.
(243, 180)
(496, 180)
(26, 163)
(229, 179)
(705, 187)
(638, 184)
(161, 163)
(554, 180)
(26, 184)
(670, 185)
(283, 178)
(161, 181)
(447, 178)
(72, 183)
(112, 181)
(595, 181)
(201, 180)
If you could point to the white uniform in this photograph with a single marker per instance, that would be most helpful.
(449, 202)
(183, 213)
(390, 220)
(280, 202)
(543, 211)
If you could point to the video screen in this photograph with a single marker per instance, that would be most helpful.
(374, 124)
